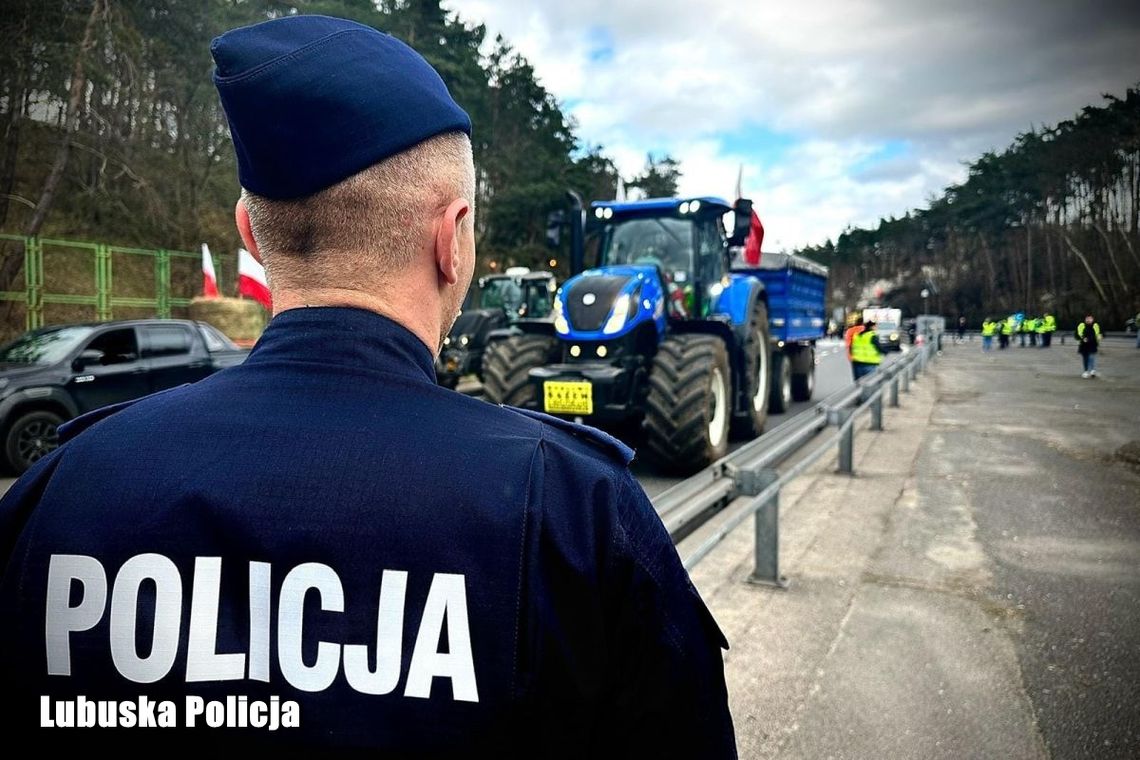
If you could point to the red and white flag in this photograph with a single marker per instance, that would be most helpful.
(752, 245)
(251, 279)
(209, 278)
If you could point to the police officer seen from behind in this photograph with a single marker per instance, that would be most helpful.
(415, 571)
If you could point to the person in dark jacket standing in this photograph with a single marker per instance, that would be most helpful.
(1088, 342)
(321, 546)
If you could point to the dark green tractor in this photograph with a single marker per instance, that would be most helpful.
(495, 303)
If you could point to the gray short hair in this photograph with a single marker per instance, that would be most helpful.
(368, 225)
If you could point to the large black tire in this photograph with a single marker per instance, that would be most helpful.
(757, 351)
(689, 406)
(780, 397)
(506, 364)
(31, 437)
(803, 374)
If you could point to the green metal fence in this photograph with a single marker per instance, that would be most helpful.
(64, 282)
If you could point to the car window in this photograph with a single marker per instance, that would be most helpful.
(117, 346)
(166, 340)
(44, 347)
(215, 341)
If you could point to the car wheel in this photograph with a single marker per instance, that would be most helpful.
(30, 438)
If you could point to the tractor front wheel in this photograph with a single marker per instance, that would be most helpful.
(690, 403)
(506, 368)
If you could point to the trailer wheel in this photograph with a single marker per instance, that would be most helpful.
(757, 353)
(781, 397)
(690, 403)
(803, 374)
(506, 364)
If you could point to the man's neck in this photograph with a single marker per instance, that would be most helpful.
(424, 328)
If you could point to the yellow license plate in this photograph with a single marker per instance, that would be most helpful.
(568, 397)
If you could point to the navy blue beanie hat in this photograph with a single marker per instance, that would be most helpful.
(312, 100)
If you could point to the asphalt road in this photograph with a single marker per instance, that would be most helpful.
(1034, 451)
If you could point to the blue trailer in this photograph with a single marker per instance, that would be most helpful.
(797, 317)
(666, 339)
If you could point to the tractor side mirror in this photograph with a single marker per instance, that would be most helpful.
(86, 358)
(741, 223)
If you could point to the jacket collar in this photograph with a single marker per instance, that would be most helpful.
(344, 336)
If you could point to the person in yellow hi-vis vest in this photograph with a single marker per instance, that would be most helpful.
(989, 329)
(1050, 328)
(1008, 325)
(866, 354)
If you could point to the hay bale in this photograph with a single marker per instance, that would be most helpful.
(241, 319)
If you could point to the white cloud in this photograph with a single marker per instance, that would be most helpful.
(813, 96)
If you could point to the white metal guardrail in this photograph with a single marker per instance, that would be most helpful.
(750, 470)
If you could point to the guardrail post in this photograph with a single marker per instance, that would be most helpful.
(839, 418)
(767, 550)
(893, 398)
(877, 410)
(904, 378)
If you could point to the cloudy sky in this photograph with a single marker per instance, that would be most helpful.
(841, 111)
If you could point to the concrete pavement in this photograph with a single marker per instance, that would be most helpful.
(974, 591)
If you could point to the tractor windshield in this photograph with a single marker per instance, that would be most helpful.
(502, 293)
(665, 242)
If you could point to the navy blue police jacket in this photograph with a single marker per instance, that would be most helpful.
(414, 570)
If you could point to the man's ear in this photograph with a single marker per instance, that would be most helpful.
(447, 240)
(241, 214)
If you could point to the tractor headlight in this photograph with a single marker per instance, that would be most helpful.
(561, 326)
(447, 341)
(620, 314)
(464, 340)
(894, 336)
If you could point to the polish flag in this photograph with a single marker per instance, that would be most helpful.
(752, 245)
(209, 278)
(251, 279)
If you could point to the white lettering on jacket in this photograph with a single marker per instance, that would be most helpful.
(77, 601)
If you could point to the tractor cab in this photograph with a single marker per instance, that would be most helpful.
(683, 241)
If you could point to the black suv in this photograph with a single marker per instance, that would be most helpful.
(49, 375)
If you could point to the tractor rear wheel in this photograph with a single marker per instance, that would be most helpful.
(506, 367)
(690, 403)
(757, 351)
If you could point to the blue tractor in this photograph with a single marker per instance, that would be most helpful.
(667, 338)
